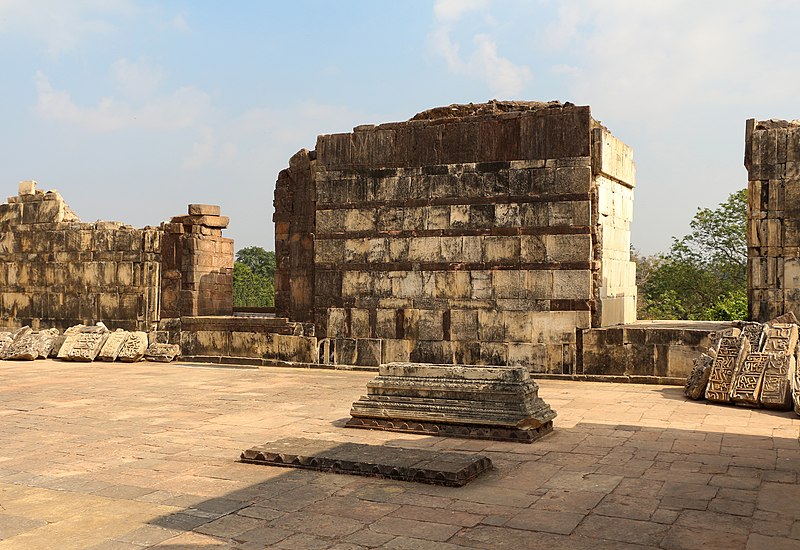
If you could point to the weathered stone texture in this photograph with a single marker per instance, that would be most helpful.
(476, 234)
(729, 356)
(772, 158)
(113, 345)
(197, 267)
(162, 353)
(663, 351)
(134, 347)
(59, 271)
(463, 401)
(698, 379)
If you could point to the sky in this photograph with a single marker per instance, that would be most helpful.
(133, 109)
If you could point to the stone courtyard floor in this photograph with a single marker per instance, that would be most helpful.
(109, 455)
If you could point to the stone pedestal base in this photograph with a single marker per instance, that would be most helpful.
(497, 403)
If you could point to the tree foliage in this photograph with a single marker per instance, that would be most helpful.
(704, 274)
(254, 278)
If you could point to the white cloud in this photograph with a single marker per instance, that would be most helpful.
(451, 10)
(61, 25)
(202, 152)
(177, 110)
(504, 78)
(136, 79)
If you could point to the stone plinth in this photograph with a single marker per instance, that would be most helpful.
(460, 401)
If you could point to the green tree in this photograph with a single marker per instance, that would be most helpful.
(704, 274)
(260, 261)
(254, 278)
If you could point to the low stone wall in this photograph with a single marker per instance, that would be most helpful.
(646, 351)
(247, 340)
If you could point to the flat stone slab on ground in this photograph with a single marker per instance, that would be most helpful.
(439, 468)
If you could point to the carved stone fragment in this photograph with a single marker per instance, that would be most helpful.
(113, 345)
(133, 348)
(698, 378)
(776, 391)
(24, 348)
(87, 346)
(461, 401)
(47, 341)
(730, 353)
(781, 337)
(5, 342)
(754, 332)
(66, 346)
(162, 353)
(58, 341)
(747, 380)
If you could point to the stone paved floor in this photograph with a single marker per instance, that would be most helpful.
(130, 456)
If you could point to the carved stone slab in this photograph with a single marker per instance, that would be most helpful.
(58, 341)
(5, 342)
(113, 345)
(420, 465)
(747, 380)
(781, 338)
(162, 353)
(795, 377)
(698, 379)
(754, 332)
(47, 341)
(776, 392)
(499, 403)
(24, 348)
(86, 346)
(730, 353)
(69, 340)
(134, 347)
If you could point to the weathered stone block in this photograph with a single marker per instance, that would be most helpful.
(505, 400)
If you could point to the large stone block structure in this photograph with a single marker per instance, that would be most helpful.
(472, 234)
(57, 271)
(772, 159)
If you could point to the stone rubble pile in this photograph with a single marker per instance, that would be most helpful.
(83, 343)
(755, 366)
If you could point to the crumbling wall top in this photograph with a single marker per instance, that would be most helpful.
(489, 108)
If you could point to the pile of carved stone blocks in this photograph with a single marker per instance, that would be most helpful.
(83, 343)
(753, 367)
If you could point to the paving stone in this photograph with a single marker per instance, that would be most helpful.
(317, 524)
(686, 538)
(762, 542)
(421, 529)
(622, 529)
(623, 506)
(563, 500)
(545, 520)
(228, 526)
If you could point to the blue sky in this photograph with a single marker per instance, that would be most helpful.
(133, 109)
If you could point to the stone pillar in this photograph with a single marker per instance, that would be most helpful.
(197, 270)
(294, 239)
(772, 159)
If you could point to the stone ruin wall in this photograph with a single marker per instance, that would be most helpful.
(772, 159)
(484, 234)
(57, 271)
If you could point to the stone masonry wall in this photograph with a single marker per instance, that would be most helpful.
(480, 234)
(772, 159)
(56, 271)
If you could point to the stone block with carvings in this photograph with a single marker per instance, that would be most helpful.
(498, 403)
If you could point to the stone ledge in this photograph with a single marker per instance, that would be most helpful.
(423, 466)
